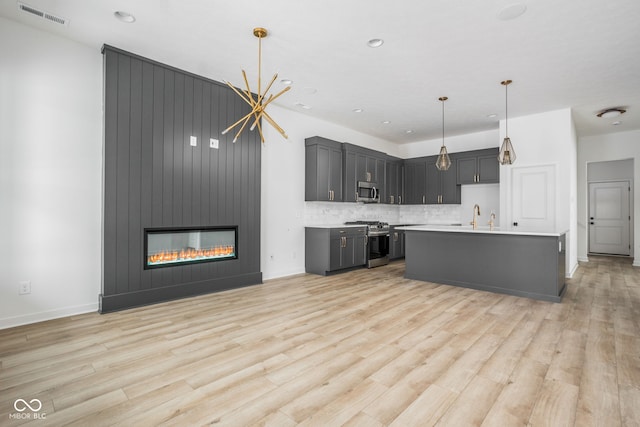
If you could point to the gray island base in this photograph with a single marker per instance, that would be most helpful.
(523, 264)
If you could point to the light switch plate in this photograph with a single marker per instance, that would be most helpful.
(213, 143)
(193, 141)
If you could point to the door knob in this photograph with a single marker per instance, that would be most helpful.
(591, 223)
(591, 218)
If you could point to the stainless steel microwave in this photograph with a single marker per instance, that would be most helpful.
(367, 192)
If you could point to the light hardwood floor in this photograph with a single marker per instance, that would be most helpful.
(365, 348)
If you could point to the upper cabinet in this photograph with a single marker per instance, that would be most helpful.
(478, 166)
(415, 179)
(362, 164)
(323, 170)
(442, 186)
(393, 187)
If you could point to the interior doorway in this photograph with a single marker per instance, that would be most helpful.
(610, 214)
(609, 218)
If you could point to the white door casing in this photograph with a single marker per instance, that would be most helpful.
(533, 197)
(609, 217)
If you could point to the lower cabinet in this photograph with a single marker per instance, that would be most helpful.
(396, 243)
(333, 249)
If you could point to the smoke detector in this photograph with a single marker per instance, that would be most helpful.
(42, 14)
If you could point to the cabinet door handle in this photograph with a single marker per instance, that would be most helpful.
(395, 236)
(423, 200)
(399, 199)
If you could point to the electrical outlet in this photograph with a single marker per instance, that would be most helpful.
(213, 143)
(193, 141)
(24, 288)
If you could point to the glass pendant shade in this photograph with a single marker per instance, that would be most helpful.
(444, 162)
(506, 155)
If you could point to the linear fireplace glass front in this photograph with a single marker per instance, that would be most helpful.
(166, 247)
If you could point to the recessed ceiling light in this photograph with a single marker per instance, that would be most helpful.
(386, 122)
(408, 131)
(611, 112)
(512, 11)
(375, 42)
(357, 110)
(616, 123)
(492, 116)
(286, 82)
(124, 16)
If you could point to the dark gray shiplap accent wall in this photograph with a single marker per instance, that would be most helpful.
(153, 177)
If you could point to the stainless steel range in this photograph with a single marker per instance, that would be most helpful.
(377, 242)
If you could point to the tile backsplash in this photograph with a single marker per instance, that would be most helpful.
(323, 213)
(486, 195)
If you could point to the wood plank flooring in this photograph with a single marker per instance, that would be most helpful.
(365, 348)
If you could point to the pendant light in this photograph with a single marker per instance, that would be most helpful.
(506, 155)
(443, 162)
(259, 103)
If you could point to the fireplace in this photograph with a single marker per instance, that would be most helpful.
(167, 247)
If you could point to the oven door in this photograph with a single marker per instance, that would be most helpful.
(378, 249)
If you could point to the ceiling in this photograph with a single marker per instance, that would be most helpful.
(578, 54)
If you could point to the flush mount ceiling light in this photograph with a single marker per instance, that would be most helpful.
(443, 162)
(286, 81)
(258, 104)
(610, 113)
(357, 110)
(506, 155)
(375, 42)
(512, 11)
(124, 17)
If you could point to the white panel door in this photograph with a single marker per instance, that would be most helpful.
(533, 197)
(609, 218)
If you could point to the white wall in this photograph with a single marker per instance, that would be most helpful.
(50, 175)
(613, 146)
(471, 141)
(547, 139)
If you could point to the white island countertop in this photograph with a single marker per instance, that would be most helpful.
(520, 231)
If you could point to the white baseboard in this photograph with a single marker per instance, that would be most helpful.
(279, 274)
(573, 270)
(585, 259)
(27, 319)
(636, 262)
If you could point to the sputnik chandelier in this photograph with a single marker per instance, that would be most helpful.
(258, 104)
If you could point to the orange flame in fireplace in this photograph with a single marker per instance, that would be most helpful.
(190, 254)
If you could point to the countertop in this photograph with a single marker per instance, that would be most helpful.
(521, 231)
(335, 226)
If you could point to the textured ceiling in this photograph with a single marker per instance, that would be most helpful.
(578, 54)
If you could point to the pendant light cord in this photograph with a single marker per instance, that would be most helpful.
(506, 111)
(443, 123)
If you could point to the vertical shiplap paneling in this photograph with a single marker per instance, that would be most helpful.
(147, 160)
(196, 158)
(188, 152)
(154, 178)
(122, 171)
(158, 155)
(135, 176)
(110, 172)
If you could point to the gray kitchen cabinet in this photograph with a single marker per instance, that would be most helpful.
(415, 178)
(329, 250)
(323, 170)
(396, 242)
(442, 186)
(393, 181)
(478, 166)
(361, 164)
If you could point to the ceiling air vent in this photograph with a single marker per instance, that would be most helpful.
(42, 14)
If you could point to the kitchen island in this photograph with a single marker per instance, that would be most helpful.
(514, 260)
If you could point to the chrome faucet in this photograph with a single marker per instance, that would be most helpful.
(476, 212)
(491, 218)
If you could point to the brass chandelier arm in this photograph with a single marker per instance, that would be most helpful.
(246, 120)
(248, 100)
(274, 97)
(274, 124)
